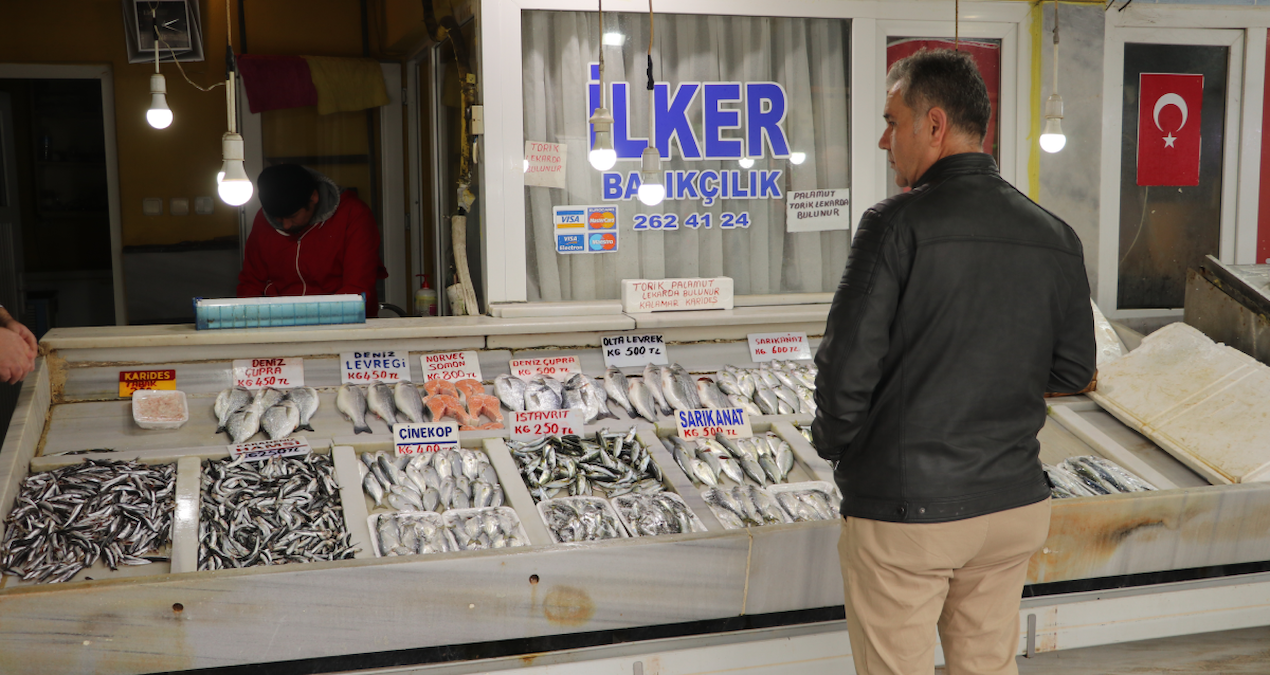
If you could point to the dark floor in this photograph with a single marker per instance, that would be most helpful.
(1236, 652)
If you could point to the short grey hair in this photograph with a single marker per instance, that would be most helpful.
(942, 78)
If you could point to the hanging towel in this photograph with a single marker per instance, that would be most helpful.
(345, 84)
(276, 82)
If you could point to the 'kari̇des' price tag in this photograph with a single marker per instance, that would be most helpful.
(262, 450)
(388, 367)
(530, 425)
(559, 367)
(416, 439)
(262, 373)
(633, 350)
(134, 380)
(731, 422)
(452, 366)
(779, 346)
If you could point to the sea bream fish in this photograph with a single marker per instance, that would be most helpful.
(306, 400)
(351, 402)
(540, 395)
(511, 391)
(228, 402)
(280, 420)
(244, 424)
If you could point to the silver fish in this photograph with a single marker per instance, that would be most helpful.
(788, 396)
(374, 488)
(511, 391)
(280, 420)
(268, 397)
(784, 459)
(351, 402)
(767, 401)
(726, 381)
(710, 395)
(306, 400)
(406, 397)
(541, 396)
(673, 389)
(686, 384)
(244, 424)
(228, 402)
(616, 386)
(744, 403)
(581, 392)
(379, 401)
(652, 380)
(641, 398)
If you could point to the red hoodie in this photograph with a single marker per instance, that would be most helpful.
(337, 255)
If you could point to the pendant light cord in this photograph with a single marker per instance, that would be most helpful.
(601, 13)
(1055, 46)
(652, 113)
(957, 25)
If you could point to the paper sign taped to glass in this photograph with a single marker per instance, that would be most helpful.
(585, 229)
(818, 210)
(545, 164)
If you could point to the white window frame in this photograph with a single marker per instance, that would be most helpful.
(502, 177)
(1243, 30)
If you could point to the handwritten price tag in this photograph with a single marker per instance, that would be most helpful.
(633, 350)
(415, 439)
(134, 380)
(363, 367)
(559, 367)
(452, 366)
(779, 346)
(262, 450)
(529, 425)
(262, 373)
(731, 422)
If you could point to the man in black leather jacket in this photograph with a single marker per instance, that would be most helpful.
(962, 304)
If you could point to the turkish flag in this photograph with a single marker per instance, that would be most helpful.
(1168, 128)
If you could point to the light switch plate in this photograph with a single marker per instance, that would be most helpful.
(204, 206)
(179, 206)
(152, 206)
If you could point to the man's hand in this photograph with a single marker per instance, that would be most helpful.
(16, 357)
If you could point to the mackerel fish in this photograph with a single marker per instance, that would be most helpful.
(602, 464)
(575, 519)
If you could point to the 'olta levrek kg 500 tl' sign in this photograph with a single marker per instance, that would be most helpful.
(760, 116)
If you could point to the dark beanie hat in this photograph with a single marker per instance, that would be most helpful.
(285, 189)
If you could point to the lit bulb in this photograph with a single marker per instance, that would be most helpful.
(797, 157)
(746, 162)
(220, 176)
(614, 39)
(1052, 138)
(234, 186)
(651, 188)
(159, 115)
(602, 155)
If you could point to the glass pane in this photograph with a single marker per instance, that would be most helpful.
(736, 98)
(1168, 223)
(336, 145)
(987, 55)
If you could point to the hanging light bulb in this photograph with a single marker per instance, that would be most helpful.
(159, 115)
(746, 162)
(1052, 138)
(797, 157)
(602, 156)
(614, 39)
(235, 187)
(652, 188)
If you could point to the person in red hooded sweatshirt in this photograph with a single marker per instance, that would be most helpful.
(309, 238)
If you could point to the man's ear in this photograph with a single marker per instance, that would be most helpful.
(938, 121)
(313, 199)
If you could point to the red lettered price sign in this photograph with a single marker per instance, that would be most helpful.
(452, 366)
(262, 373)
(262, 450)
(559, 367)
(779, 346)
(362, 367)
(530, 425)
(731, 422)
(416, 439)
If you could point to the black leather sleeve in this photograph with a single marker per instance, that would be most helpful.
(1075, 356)
(857, 336)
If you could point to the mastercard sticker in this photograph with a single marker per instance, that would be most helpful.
(602, 218)
(602, 242)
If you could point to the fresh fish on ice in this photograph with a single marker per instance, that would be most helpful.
(306, 400)
(351, 402)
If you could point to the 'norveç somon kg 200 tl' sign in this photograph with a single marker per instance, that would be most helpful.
(760, 116)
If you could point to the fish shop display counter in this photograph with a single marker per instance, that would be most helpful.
(167, 615)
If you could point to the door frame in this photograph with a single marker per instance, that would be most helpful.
(102, 72)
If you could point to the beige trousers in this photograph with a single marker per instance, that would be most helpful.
(903, 580)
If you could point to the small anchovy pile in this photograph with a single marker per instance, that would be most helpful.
(67, 519)
(774, 388)
(744, 506)
(408, 533)
(1090, 476)
(650, 515)
(603, 465)
(572, 519)
(808, 504)
(431, 481)
(478, 530)
(241, 414)
(270, 513)
(762, 459)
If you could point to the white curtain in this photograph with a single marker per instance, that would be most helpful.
(808, 57)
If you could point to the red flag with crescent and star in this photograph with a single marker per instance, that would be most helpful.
(1168, 128)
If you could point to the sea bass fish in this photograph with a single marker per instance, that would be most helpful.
(652, 380)
(407, 399)
(673, 389)
(710, 395)
(351, 402)
(617, 388)
(379, 401)
(641, 399)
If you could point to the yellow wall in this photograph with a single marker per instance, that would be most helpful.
(182, 160)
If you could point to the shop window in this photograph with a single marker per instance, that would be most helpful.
(339, 145)
(1170, 204)
(775, 86)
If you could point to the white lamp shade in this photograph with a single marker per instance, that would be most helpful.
(159, 115)
(235, 187)
(652, 189)
(1052, 138)
(602, 155)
